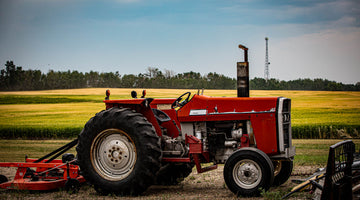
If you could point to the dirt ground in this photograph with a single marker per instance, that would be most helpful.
(209, 185)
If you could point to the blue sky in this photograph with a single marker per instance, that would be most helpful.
(307, 38)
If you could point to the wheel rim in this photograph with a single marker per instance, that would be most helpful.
(277, 167)
(113, 154)
(247, 174)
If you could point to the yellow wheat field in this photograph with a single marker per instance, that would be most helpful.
(308, 107)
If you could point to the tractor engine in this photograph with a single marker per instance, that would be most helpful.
(225, 137)
(219, 138)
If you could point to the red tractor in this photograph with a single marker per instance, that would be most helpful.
(138, 142)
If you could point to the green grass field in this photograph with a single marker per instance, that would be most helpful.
(310, 155)
(63, 113)
(308, 152)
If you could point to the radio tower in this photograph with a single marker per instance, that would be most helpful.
(267, 63)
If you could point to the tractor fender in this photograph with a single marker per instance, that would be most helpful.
(253, 149)
(256, 150)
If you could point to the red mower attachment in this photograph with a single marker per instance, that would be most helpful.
(45, 174)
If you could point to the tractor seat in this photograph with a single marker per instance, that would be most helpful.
(160, 116)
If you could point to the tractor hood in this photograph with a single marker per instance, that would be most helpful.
(205, 108)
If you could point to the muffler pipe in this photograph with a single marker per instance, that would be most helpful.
(243, 75)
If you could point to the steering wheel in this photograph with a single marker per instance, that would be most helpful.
(181, 101)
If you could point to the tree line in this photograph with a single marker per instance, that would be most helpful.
(14, 78)
(317, 84)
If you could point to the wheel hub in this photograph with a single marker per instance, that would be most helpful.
(114, 154)
(277, 167)
(247, 174)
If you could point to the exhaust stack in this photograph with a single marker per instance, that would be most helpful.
(243, 75)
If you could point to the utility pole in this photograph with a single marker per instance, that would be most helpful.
(267, 63)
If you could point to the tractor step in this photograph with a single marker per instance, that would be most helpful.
(198, 165)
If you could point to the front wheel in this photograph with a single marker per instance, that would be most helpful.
(282, 171)
(119, 152)
(248, 171)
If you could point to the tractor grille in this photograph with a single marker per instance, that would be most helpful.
(284, 123)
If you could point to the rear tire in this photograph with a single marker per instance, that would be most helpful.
(173, 174)
(119, 152)
(248, 171)
(3, 179)
(282, 172)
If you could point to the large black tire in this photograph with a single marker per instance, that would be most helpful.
(3, 179)
(173, 174)
(282, 171)
(119, 152)
(248, 171)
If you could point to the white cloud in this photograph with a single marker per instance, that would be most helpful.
(331, 54)
(312, 12)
